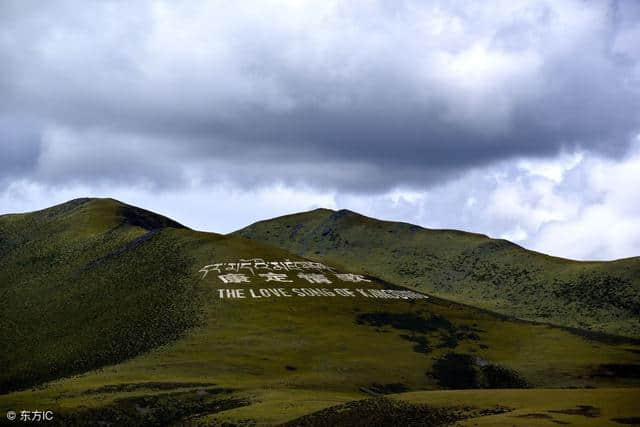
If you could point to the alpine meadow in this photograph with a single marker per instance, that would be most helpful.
(113, 314)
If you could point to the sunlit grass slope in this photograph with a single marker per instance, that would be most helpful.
(522, 408)
(105, 311)
(538, 407)
(468, 268)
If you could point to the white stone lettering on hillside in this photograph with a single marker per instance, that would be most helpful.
(250, 272)
(256, 266)
(264, 293)
(234, 278)
(275, 277)
(348, 277)
(314, 277)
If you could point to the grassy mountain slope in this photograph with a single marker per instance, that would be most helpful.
(72, 301)
(468, 268)
(107, 318)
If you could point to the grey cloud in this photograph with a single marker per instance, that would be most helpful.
(339, 95)
(19, 147)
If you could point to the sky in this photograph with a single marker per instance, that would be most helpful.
(519, 120)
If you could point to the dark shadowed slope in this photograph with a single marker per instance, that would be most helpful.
(468, 268)
(82, 282)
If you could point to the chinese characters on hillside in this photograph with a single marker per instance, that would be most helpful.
(287, 273)
(316, 278)
(244, 270)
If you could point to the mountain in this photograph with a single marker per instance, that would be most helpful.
(468, 268)
(114, 315)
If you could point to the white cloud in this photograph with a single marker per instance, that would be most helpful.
(606, 223)
(516, 235)
(576, 206)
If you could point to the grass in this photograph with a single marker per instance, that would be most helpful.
(124, 330)
(77, 294)
(544, 407)
(468, 268)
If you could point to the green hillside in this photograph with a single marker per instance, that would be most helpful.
(468, 268)
(73, 300)
(112, 315)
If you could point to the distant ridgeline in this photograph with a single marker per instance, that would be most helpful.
(466, 267)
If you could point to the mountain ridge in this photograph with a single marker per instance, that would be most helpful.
(343, 212)
(129, 214)
(469, 268)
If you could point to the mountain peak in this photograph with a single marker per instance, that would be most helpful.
(343, 213)
(109, 212)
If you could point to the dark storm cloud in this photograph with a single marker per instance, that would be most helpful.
(346, 94)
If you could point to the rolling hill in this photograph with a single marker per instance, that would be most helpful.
(468, 268)
(114, 315)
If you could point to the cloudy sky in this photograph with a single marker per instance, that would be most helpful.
(519, 120)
